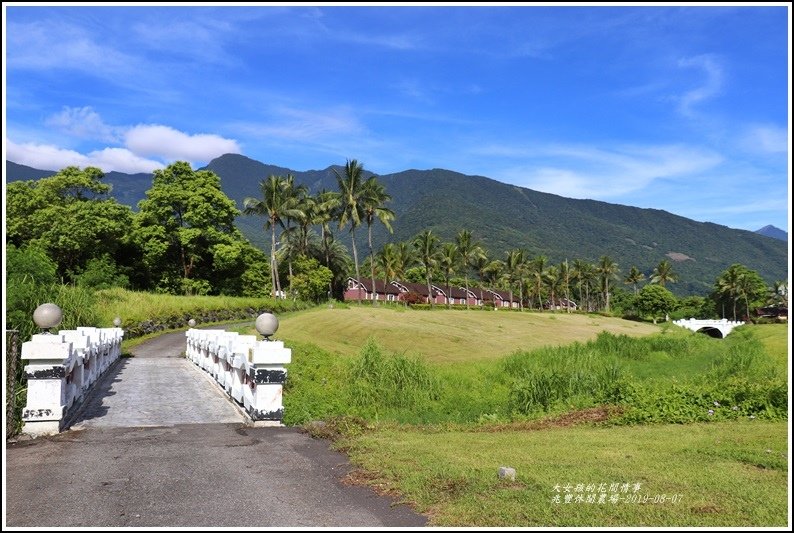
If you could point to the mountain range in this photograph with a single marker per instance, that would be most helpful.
(505, 216)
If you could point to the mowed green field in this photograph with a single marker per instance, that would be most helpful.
(722, 474)
(443, 460)
(447, 335)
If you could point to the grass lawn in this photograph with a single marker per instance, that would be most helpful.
(447, 335)
(721, 474)
(775, 338)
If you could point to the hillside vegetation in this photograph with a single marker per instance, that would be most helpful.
(505, 217)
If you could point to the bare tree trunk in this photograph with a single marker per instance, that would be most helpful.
(273, 266)
(372, 266)
(355, 261)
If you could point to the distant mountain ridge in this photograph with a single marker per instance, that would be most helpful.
(504, 216)
(774, 232)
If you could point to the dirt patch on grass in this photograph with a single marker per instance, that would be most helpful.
(373, 480)
(706, 509)
(593, 415)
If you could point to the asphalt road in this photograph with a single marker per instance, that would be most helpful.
(130, 460)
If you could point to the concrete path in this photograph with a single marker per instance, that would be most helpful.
(176, 471)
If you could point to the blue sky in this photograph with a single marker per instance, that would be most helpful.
(680, 108)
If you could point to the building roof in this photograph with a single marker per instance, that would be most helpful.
(418, 288)
(381, 287)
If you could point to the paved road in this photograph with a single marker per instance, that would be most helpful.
(103, 474)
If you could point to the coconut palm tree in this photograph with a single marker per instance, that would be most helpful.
(607, 269)
(468, 249)
(480, 263)
(514, 262)
(449, 259)
(386, 261)
(536, 271)
(373, 200)
(278, 204)
(351, 188)
(585, 278)
(565, 281)
(663, 273)
(633, 278)
(551, 277)
(405, 258)
(426, 245)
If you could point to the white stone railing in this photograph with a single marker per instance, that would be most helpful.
(61, 371)
(251, 371)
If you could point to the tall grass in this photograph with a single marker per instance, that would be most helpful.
(135, 307)
(76, 303)
(666, 378)
(381, 383)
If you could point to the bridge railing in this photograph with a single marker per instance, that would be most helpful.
(62, 368)
(250, 371)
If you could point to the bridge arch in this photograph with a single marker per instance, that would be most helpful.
(719, 329)
(711, 332)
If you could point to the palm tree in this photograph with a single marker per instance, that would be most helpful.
(538, 266)
(386, 261)
(325, 206)
(480, 263)
(634, 276)
(578, 273)
(426, 245)
(551, 276)
(607, 269)
(664, 273)
(373, 199)
(297, 196)
(494, 272)
(729, 283)
(513, 263)
(278, 205)
(778, 294)
(405, 258)
(351, 188)
(448, 259)
(468, 250)
(565, 279)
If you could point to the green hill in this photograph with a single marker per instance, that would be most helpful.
(505, 216)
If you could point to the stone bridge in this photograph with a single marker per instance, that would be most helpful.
(161, 439)
(713, 328)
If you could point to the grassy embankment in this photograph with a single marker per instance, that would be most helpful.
(501, 394)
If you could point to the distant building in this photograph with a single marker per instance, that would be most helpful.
(362, 289)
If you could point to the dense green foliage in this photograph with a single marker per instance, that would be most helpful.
(71, 216)
(655, 301)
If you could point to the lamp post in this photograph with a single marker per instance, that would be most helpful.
(266, 325)
(47, 316)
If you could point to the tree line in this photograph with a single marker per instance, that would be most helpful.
(183, 240)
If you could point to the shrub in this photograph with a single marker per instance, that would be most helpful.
(379, 382)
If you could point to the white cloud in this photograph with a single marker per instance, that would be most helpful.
(122, 160)
(84, 123)
(578, 171)
(171, 144)
(710, 88)
(48, 157)
(50, 44)
(302, 125)
(766, 139)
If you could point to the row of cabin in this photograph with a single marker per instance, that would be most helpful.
(396, 291)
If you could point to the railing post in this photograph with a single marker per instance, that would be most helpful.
(251, 372)
(267, 376)
(51, 360)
